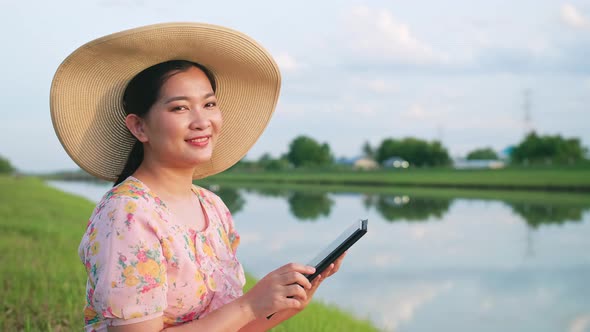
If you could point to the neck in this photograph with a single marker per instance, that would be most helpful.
(168, 183)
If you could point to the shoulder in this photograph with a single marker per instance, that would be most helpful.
(130, 195)
(209, 196)
(130, 188)
(214, 204)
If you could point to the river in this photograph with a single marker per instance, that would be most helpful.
(445, 264)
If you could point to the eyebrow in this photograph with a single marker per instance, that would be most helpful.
(210, 94)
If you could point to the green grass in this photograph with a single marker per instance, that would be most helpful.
(319, 317)
(532, 178)
(509, 196)
(43, 280)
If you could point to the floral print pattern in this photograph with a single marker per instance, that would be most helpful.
(142, 263)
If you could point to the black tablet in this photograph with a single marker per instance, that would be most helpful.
(338, 247)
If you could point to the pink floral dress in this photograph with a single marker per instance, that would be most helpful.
(142, 263)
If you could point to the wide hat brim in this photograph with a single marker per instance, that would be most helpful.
(87, 91)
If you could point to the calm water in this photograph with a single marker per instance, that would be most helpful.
(426, 264)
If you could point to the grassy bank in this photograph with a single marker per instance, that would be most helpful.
(508, 196)
(533, 178)
(43, 280)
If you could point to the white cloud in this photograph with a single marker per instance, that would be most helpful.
(418, 232)
(572, 17)
(417, 112)
(487, 305)
(287, 63)
(405, 303)
(290, 108)
(376, 33)
(386, 260)
(580, 323)
(382, 86)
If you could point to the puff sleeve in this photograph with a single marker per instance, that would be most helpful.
(124, 261)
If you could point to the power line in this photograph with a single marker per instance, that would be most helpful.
(528, 120)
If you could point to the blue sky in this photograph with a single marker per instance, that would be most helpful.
(353, 71)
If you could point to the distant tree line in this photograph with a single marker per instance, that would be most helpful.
(306, 152)
(548, 150)
(312, 206)
(5, 166)
(416, 151)
(482, 154)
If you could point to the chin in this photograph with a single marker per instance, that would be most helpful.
(199, 160)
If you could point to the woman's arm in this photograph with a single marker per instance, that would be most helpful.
(277, 292)
(264, 324)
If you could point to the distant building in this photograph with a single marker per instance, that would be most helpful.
(365, 164)
(395, 162)
(346, 161)
(506, 153)
(362, 163)
(478, 164)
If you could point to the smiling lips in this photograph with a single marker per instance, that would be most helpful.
(200, 141)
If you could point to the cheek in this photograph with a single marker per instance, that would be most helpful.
(161, 128)
(217, 121)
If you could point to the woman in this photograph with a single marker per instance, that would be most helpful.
(145, 108)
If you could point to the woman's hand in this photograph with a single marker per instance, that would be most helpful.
(282, 289)
(333, 268)
(284, 307)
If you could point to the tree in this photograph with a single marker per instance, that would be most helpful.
(270, 164)
(416, 151)
(548, 149)
(305, 151)
(5, 166)
(417, 209)
(536, 215)
(482, 154)
(368, 150)
(232, 199)
(310, 206)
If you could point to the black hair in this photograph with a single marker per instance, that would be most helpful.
(141, 94)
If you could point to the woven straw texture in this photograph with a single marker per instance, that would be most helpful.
(87, 91)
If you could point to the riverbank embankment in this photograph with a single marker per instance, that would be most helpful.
(563, 179)
(43, 280)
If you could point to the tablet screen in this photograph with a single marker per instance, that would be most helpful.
(344, 241)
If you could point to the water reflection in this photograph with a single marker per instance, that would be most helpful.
(231, 197)
(461, 269)
(311, 206)
(305, 206)
(271, 191)
(403, 207)
(537, 214)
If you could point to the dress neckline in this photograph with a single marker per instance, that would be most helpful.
(162, 203)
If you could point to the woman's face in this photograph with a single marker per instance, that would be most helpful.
(182, 126)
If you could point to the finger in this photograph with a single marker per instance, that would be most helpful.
(297, 292)
(337, 266)
(294, 278)
(329, 271)
(338, 263)
(304, 269)
(292, 303)
(316, 282)
(302, 281)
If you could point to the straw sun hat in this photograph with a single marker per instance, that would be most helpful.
(87, 91)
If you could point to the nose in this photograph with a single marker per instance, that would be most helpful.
(200, 119)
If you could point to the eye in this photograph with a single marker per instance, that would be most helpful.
(211, 104)
(179, 108)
